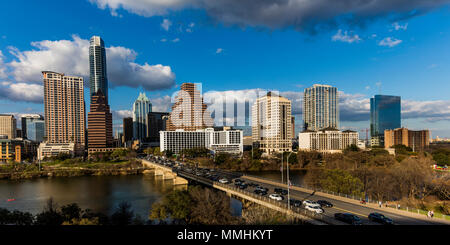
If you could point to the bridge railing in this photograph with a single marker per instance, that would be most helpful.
(300, 210)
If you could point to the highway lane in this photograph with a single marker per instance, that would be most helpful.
(338, 206)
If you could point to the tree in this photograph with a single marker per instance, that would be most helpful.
(351, 147)
(50, 215)
(341, 181)
(123, 215)
(210, 207)
(71, 211)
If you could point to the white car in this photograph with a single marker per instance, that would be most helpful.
(311, 203)
(276, 197)
(223, 181)
(316, 209)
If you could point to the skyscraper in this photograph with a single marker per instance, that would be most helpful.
(97, 64)
(416, 139)
(320, 107)
(65, 119)
(156, 123)
(100, 133)
(8, 126)
(385, 113)
(33, 127)
(127, 130)
(271, 123)
(141, 108)
(189, 112)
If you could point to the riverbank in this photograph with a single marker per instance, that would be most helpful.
(56, 169)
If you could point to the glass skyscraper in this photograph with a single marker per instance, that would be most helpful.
(33, 127)
(385, 113)
(141, 108)
(320, 107)
(97, 64)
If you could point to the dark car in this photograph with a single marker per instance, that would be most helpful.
(238, 181)
(243, 186)
(252, 184)
(260, 192)
(280, 191)
(295, 202)
(324, 203)
(348, 218)
(380, 218)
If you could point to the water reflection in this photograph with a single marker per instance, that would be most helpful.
(99, 193)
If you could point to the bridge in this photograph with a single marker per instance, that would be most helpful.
(341, 204)
(165, 172)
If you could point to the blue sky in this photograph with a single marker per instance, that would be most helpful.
(392, 49)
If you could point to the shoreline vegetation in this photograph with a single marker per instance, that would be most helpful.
(118, 162)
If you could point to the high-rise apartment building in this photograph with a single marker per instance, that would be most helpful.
(320, 107)
(189, 112)
(33, 127)
(271, 123)
(416, 139)
(97, 66)
(8, 126)
(385, 114)
(65, 120)
(100, 133)
(141, 108)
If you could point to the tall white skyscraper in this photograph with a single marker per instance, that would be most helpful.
(97, 67)
(141, 108)
(320, 107)
(271, 123)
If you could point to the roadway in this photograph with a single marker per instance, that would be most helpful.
(339, 206)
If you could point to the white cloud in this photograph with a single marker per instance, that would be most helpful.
(22, 92)
(163, 40)
(345, 37)
(176, 40)
(2, 66)
(398, 26)
(390, 42)
(120, 114)
(161, 104)
(219, 50)
(72, 57)
(166, 24)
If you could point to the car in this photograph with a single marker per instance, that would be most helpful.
(238, 181)
(311, 203)
(380, 218)
(223, 181)
(243, 186)
(325, 203)
(276, 197)
(260, 188)
(315, 209)
(348, 218)
(295, 202)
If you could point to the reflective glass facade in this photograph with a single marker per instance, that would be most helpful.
(141, 108)
(97, 66)
(385, 113)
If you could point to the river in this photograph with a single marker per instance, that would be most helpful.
(101, 193)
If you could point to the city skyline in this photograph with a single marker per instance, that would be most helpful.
(414, 54)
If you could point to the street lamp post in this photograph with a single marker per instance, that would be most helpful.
(287, 163)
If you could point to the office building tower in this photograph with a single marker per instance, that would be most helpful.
(385, 114)
(33, 127)
(189, 112)
(127, 130)
(100, 132)
(271, 123)
(8, 126)
(65, 119)
(293, 127)
(156, 122)
(329, 140)
(141, 108)
(320, 107)
(416, 139)
(97, 67)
